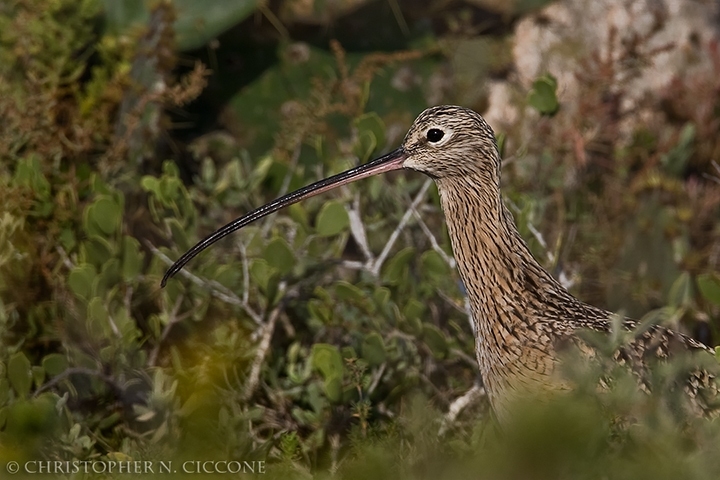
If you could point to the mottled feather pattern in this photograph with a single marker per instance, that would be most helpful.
(522, 314)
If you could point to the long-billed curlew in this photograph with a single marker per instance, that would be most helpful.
(523, 316)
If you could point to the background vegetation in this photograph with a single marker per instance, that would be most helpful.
(331, 339)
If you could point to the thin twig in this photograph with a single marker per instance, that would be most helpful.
(377, 265)
(113, 326)
(334, 451)
(376, 379)
(357, 228)
(538, 236)
(173, 319)
(354, 265)
(245, 273)
(472, 362)
(268, 330)
(216, 289)
(459, 404)
(261, 351)
(713, 178)
(433, 241)
(78, 371)
(65, 259)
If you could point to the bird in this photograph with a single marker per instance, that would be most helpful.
(523, 317)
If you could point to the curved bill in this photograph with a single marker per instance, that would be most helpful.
(392, 161)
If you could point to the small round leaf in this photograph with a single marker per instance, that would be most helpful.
(332, 219)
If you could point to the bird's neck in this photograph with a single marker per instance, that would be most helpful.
(494, 261)
(512, 296)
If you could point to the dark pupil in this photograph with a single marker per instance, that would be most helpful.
(435, 135)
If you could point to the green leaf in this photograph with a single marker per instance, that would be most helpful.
(332, 219)
(373, 349)
(110, 273)
(395, 270)
(132, 258)
(196, 23)
(199, 22)
(543, 96)
(365, 145)
(54, 364)
(260, 273)
(260, 171)
(103, 216)
(279, 255)
(208, 171)
(319, 311)
(381, 295)
(434, 338)
(681, 291)
(4, 393)
(433, 265)
(327, 360)
(96, 250)
(371, 122)
(80, 280)
(97, 317)
(298, 213)
(347, 292)
(36, 415)
(29, 173)
(170, 189)
(709, 286)
(38, 375)
(370, 135)
(19, 373)
(121, 15)
(150, 184)
(414, 309)
(675, 160)
(67, 239)
(333, 388)
(177, 232)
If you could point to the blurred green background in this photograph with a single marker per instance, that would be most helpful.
(332, 339)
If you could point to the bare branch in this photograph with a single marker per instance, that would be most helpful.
(713, 178)
(354, 265)
(419, 197)
(357, 228)
(65, 259)
(538, 236)
(245, 273)
(173, 319)
(216, 289)
(110, 381)
(470, 318)
(267, 332)
(377, 376)
(459, 404)
(433, 241)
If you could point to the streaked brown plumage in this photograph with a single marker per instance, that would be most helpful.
(522, 315)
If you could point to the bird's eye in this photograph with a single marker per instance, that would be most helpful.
(435, 135)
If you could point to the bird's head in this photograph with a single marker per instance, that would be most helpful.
(447, 141)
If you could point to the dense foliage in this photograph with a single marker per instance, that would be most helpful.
(331, 339)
